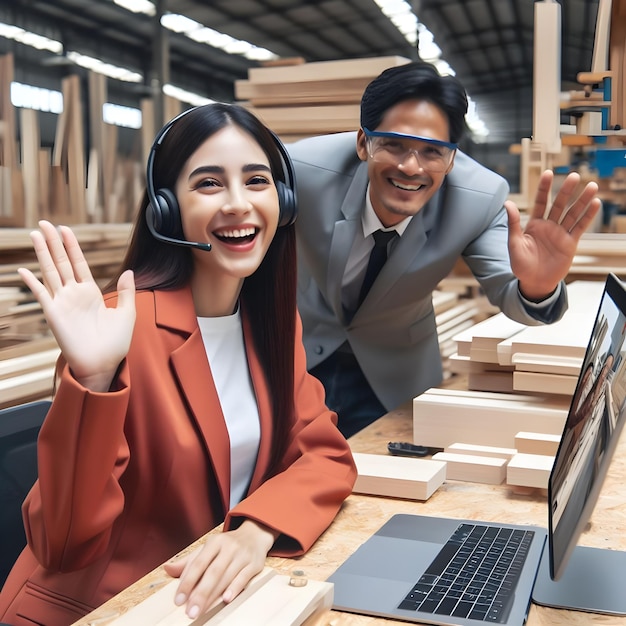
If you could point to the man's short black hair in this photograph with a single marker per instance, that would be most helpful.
(415, 81)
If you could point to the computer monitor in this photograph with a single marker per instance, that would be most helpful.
(572, 576)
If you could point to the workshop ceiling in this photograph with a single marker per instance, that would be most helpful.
(489, 43)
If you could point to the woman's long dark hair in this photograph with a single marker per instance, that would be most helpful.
(268, 297)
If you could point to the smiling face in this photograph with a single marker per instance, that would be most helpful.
(228, 198)
(399, 190)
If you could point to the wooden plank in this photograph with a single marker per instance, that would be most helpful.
(486, 335)
(529, 470)
(309, 119)
(546, 363)
(537, 443)
(28, 363)
(569, 336)
(617, 62)
(325, 70)
(268, 600)
(160, 606)
(8, 155)
(493, 451)
(544, 383)
(440, 420)
(76, 170)
(547, 75)
(13, 390)
(501, 382)
(473, 468)
(346, 91)
(30, 166)
(279, 604)
(397, 477)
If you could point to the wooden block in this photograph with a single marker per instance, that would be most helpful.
(537, 443)
(501, 382)
(544, 383)
(483, 418)
(529, 470)
(331, 91)
(28, 363)
(473, 468)
(486, 335)
(397, 477)
(546, 363)
(493, 451)
(268, 600)
(278, 604)
(570, 335)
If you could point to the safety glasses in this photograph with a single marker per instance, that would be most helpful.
(395, 148)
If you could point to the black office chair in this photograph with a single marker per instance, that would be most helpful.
(19, 428)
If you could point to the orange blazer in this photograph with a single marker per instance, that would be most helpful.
(130, 477)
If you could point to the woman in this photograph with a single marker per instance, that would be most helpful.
(183, 398)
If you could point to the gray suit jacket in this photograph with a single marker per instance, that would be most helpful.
(393, 334)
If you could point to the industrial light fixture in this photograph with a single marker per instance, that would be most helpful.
(401, 15)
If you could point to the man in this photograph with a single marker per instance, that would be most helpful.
(374, 350)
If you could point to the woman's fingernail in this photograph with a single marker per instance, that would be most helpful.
(180, 599)
(193, 612)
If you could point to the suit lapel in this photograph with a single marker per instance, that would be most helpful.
(174, 310)
(343, 237)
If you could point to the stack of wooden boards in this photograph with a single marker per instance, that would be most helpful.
(311, 98)
(501, 355)
(482, 437)
(455, 312)
(65, 183)
(598, 254)
(519, 458)
(491, 437)
(28, 350)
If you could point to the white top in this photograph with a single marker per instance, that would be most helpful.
(223, 342)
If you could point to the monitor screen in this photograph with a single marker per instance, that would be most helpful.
(594, 422)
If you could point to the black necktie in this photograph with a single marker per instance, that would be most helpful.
(378, 257)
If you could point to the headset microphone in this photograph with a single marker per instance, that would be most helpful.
(178, 242)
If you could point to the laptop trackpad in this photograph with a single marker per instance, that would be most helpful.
(391, 558)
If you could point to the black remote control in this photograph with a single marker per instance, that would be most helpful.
(407, 449)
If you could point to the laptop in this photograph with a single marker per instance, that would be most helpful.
(434, 570)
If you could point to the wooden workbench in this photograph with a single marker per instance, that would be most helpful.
(363, 515)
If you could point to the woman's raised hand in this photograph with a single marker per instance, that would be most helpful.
(93, 338)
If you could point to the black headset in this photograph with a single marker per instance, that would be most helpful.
(163, 213)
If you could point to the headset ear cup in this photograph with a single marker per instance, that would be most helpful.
(167, 214)
(287, 204)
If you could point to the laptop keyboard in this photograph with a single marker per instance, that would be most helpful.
(474, 575)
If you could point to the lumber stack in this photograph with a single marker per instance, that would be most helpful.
(307, 99)
(599, 254)
(494, 465)
(501, 355)
(64, 184)
(490, 437)
(28, 351)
